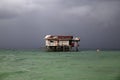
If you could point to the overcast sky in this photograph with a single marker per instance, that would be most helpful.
(24, 23)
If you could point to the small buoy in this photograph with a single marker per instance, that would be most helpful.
(97, 50)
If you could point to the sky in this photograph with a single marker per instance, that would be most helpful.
(24, 23)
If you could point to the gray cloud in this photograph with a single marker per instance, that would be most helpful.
(23, 23)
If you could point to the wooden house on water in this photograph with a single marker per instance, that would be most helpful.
(61, 43)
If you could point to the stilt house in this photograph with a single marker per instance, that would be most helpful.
(60, 43)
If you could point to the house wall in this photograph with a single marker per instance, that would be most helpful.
(62, 43)
(55, 43)
(51, 43)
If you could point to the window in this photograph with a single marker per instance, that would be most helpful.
(51, 41)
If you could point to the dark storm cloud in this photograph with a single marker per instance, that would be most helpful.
(5, 14)
(98, 22)
(23, 23)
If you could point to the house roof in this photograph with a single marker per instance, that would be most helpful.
(58, 37)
